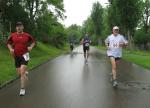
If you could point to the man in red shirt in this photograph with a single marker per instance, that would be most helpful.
(20, 44)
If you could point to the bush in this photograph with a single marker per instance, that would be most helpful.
(142, 39)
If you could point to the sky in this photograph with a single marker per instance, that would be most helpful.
(77, 11)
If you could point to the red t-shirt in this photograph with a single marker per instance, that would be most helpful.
(20, 42)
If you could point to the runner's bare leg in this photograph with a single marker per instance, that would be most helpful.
(114, 67)
(23, 76)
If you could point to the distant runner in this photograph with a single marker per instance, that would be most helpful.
(20, 44)
(86, 46)
(71, 45)
(114, 44)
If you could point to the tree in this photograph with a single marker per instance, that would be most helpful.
(113, 15)
(58, 36)
(106, 24)
(142, 39)
(74, 33)
(40, 17)
(11, 12)
(88, 26)
(36, 8)
(97, 19)
(146, 15)
(130, 13)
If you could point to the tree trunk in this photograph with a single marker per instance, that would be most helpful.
(130, 40)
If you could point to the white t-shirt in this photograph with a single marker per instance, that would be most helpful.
(114, 45)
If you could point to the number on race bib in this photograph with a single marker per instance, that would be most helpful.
(115, 45)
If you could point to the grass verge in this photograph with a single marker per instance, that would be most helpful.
(138, 57)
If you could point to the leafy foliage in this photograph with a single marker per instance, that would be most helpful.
(74, 33)
(40, 17)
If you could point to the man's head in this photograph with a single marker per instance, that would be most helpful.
(115, 30)
(87, 35)
(19, 27)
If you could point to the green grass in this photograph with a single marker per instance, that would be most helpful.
(138, 57)
(42, 52)
(7, 70)
(101, 47)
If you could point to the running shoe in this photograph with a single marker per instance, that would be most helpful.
(115, 83)
(22, 92)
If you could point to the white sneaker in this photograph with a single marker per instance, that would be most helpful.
(22, 92)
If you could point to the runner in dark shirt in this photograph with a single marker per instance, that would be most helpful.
(86, 46)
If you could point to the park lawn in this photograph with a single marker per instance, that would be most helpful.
(138, 57)
(41, 53)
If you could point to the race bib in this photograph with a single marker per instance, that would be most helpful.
(26, 56)
(115, 45)
(87, 44)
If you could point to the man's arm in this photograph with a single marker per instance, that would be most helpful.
(10, 48)
(90, 41)
(82, 41)
(124, 42)
(107, 43)
(9, 45)
(32, 44)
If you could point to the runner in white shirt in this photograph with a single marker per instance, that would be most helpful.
(114, 44)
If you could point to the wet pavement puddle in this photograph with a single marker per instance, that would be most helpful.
(134, 85)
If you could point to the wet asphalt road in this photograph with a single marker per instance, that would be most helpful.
(67, 82)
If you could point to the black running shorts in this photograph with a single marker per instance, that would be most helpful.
(86, 48)
(19, 60)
